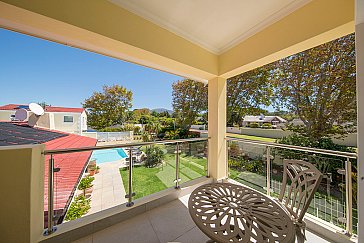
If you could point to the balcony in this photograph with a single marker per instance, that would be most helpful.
(108, 28)
(163, 215)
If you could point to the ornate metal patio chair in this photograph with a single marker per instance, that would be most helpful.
(300, 182)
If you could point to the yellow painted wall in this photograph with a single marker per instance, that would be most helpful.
(22, 195)
(315, 23)
(5, 115)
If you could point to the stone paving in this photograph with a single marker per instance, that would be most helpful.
(108, 190)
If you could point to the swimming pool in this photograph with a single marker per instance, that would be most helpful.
(108, 155)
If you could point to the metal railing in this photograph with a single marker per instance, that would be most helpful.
(130, 194)
(348, 170)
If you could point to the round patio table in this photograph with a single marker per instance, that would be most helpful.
(227, 212)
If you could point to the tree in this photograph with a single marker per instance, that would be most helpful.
(189, 100)
(319, 86)
(43, 104)
(247, 92)
(152, 128)
(154, 157)
(109, 107)
(85, 183)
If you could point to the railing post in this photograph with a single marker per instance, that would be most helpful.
(177, 180)
(130, 194)
(207, 159)
(50, 228)
(227, 158)
(268, 170)
(349, 199)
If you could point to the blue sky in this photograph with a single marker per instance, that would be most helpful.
(35, 70)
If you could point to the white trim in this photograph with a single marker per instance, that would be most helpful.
(283, 12)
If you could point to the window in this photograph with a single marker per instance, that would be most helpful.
(68, 119)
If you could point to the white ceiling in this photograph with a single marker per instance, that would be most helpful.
(216, 25)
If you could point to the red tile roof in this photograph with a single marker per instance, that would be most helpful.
(71, 164)
(71, 167)
(47, 109)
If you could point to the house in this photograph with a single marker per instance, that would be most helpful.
(275, 121)
(297, 122)
(71, 165)
(64, 119)
(205, 46)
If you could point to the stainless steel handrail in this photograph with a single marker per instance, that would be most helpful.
(299, 148)
(84, 149)
(348, 175)
(51, 228)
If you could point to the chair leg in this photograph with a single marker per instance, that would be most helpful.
(300, 234)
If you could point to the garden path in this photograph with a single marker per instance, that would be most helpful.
(108, 187)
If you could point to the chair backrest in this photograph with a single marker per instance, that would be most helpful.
(300, 182)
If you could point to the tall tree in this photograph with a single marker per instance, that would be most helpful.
(189, 100)
(108, 107)
(247, 92)
(319, 86)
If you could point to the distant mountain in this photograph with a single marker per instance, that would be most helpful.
(160, 110)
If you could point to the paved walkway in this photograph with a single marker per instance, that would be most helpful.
(108, 187)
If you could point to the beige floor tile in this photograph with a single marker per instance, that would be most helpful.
(170, 221)
(87, 239)
(195, 235)
(134, 230)
(311, 237)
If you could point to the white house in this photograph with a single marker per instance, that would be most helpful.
(276, 121)
(65, 119)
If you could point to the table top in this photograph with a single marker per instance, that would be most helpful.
(232, 213)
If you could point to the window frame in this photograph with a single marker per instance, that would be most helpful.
(67, 121)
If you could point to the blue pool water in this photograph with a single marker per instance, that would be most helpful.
(108, 155)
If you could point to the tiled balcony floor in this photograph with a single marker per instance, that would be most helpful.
(168, 223)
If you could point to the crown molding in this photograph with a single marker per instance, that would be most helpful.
(283, 12)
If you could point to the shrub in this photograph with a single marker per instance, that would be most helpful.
(267, 126)
(173, 134)
(254, 125)
(236, 164)
(123, 128)
(240, 164)
(78, 207)
(234, 150)
(85, 183)
(154, 155)
(255, 166)
(325, 163)
(112, 129)
(137, 130)
(323, 143)
(146, 137)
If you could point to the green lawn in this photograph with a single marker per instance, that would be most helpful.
(150, 180)
(273, 140)
(145, 181)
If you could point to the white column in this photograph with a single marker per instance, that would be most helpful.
(359, 34)
(217, 128)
